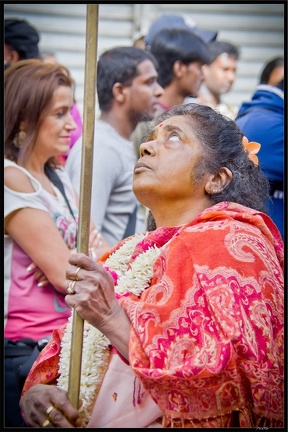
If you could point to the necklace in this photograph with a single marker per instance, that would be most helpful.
(134, 279)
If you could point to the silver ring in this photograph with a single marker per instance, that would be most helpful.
(76, 274)
(49, 409)
(70, 289)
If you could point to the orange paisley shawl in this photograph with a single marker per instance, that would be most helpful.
(207, 336)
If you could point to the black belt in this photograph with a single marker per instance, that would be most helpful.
(24, 347)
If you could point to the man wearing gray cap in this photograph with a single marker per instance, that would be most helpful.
(178, 22)
(20, 41)
(181, 49)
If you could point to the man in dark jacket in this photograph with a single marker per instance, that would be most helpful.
(262, 120)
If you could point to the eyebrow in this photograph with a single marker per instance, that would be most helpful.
(166, 128)
(171, 127)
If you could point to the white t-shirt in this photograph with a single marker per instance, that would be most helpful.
(112, 198)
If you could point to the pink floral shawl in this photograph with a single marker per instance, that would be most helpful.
(207, 336)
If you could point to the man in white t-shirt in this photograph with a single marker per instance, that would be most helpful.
(127, 89)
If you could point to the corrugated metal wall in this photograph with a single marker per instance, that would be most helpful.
(257, 29)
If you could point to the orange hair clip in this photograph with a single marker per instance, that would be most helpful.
(252, 148)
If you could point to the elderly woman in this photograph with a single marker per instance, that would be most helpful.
(183, 324)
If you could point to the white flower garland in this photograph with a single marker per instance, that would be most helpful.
(95, 352)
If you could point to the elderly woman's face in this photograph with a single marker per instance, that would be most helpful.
(166, 168)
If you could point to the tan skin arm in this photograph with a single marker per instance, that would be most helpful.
(37, 234)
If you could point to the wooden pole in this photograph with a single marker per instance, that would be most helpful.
(85, 188)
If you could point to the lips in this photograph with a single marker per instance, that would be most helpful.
(140, 166)
(66, 138)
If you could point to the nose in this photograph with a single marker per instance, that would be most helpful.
(158, 91)
(231, 76)
(70, 124)
(202, 71)
(148, 148)
(201, 75)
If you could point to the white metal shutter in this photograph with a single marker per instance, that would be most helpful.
(257, 29)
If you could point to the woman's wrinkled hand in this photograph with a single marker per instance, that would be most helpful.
(48, 406)
(90, 291)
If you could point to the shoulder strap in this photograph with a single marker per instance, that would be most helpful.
(53, 176)
(130, 229)
(55, 179)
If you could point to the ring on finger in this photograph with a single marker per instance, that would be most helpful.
(76, 274)
(49, 409)
(71, 289)
(46, 423)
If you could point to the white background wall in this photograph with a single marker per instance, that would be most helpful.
(257, 29)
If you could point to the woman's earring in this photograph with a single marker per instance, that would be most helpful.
(19, 139)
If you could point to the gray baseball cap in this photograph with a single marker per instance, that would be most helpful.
(176, 21)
